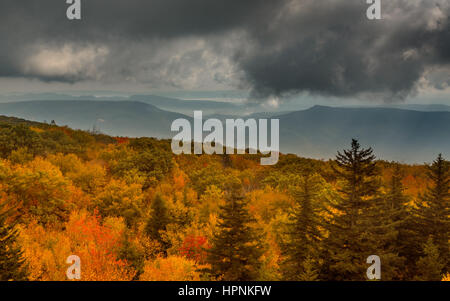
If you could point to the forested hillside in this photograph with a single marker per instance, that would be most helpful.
(131, 210)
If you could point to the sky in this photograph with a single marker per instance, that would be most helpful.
(269, 50)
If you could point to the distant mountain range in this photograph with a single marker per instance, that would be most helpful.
(415, 107)
(170, 104)
(409, 136)
(400, 135)
(188, 106)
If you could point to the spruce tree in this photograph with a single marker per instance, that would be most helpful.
(133, 256)
(226, 160)
(301, 247)
(12, 265)
(158, 221)
(351, 236)
(433, 210)
(310, 270)
(430, 266)
(393, 229)
(236, 247)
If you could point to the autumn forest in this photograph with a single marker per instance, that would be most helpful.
(132, 210)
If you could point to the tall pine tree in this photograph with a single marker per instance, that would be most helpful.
(433, 210)
(12, 265)
(301, 249)
(158, 222)
(430, 265)
(351, 236)
(236, 246)
(392, 228)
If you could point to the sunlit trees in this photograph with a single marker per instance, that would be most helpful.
(12, 265)
(120, 199)
(172, 268)
(97, 246)
(132, 211)
(210, 201)
(42, 190)
(152, 159)
(195, 248)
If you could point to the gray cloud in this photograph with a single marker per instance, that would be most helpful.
(333, 49)
(275, 48)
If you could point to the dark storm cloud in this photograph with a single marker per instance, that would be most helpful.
(331, 48)
(282, 47)
(27, 23)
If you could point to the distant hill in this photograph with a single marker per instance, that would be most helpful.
(16, 121)
(422, 107)
(165, 103)
(395, 134)
(188, 106)
(55, 96)
(405, 106)
(118, 118)
(403, 135)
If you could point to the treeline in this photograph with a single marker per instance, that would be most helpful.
(131, 210)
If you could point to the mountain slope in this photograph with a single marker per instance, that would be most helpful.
(119, 118)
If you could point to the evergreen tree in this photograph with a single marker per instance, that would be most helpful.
(133, 256)
(351, 236)
(393, 229)
(433, 211)
(158, 222)
(303, 235)
(310, 271)
(431, 264)
(12, 265)
(236, 247)
(226, 160)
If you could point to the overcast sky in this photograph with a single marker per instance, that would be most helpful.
(273, 49)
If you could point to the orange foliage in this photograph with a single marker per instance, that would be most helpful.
(122, 140)
(97, 246)
(194, 247)
(46, 251)
(179, 179)
(172, 268)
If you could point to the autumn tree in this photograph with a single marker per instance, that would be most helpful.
(12, 266)
(195, 247)
(120, 199)
(236, 246)
(19, 136)
(97, 246)
(42, 190)
(171, 268)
